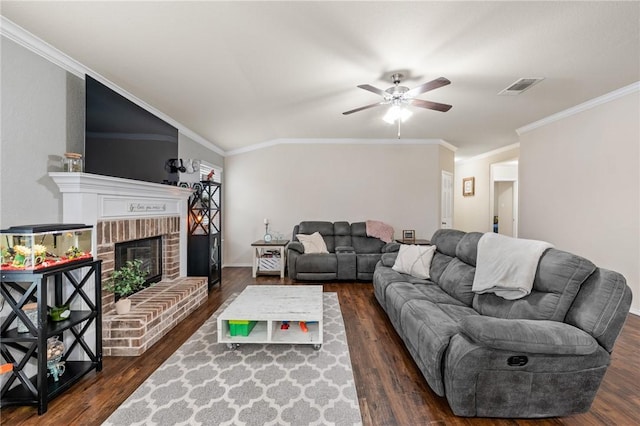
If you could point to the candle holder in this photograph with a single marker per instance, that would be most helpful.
(267, 236)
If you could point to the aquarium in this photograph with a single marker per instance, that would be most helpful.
(37, 247)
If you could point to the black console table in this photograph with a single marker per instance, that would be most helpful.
(28, 351)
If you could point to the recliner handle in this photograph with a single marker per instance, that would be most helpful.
(517, 360)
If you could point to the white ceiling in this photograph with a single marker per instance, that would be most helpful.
(243, 73)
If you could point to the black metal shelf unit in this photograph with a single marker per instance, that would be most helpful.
(204, 242)
(20, 348)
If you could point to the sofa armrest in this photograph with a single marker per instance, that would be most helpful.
(345, 249)
(296, 246)
(390, 248)
(388, 259)
(530, 336)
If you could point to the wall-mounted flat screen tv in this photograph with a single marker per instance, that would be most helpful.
(123, 139)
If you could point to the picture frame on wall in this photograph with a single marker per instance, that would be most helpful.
(468, 186)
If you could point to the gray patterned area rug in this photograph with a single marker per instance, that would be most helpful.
(205, 383)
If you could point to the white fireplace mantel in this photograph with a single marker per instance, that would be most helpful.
(89, 198)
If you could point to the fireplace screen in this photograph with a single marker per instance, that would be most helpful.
(148, 251)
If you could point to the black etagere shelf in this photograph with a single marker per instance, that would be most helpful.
(69, 283)
(204, 240)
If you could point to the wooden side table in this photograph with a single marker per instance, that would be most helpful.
(416, 242)
(265, 257)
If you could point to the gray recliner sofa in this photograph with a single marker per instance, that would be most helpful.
(352, 254)
(539, 356)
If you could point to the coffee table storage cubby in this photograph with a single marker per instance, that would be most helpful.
(77, 284)
(269, 307)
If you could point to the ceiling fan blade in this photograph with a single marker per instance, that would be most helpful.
(364, 107)
(434, 84)
(430, 105)
(373, 89)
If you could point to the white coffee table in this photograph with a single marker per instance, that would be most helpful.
(270, 306)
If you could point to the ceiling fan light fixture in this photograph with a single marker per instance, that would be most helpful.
(395, 113)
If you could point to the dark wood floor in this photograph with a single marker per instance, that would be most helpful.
(390, 387)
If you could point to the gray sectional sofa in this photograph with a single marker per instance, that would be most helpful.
(352, 254)
(539, 356)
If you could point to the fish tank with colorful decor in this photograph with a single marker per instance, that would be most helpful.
(39, 247)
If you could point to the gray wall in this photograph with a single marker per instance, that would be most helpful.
(188, 148)
(579, 181)
(42, 118)
(396, 183)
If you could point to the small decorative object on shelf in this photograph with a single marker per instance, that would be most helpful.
(55, 365)
(267, 236)
(59, 313)
(72, 162)
(38, 247)
(408, 235)
(31, 311)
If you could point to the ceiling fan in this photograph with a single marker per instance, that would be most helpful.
(400, 96)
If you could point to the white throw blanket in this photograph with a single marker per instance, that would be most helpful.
(507, 266)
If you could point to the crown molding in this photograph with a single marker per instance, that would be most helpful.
(624, 91)
(347, 141)
(40, 47)
(19, 35)
(490, 153)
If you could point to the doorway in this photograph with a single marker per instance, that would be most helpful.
(446, 201)
(503, 195)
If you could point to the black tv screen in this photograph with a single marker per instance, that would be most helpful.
(123, 139)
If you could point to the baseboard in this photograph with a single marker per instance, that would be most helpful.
(634, 311)
(237, 265)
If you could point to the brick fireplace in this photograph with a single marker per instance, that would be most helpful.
(123, 210)
(110, 232)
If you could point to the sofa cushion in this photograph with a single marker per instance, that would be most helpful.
(397, 294)
(467, 248)
(313, 243)
(433, 293)
(317, 263)
(457, 280)
(361, 242)
(324, 228)
(366, 263)
(555, 286)
(438, 264)
(535, 337)
(447, 240)
(342, 234)
(414, 260)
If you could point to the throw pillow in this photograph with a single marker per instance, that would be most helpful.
(414, 260)
(313, 243)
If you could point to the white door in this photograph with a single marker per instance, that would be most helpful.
(446, 201)
(504, 200)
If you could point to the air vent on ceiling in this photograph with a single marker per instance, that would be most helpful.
(520, 86)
